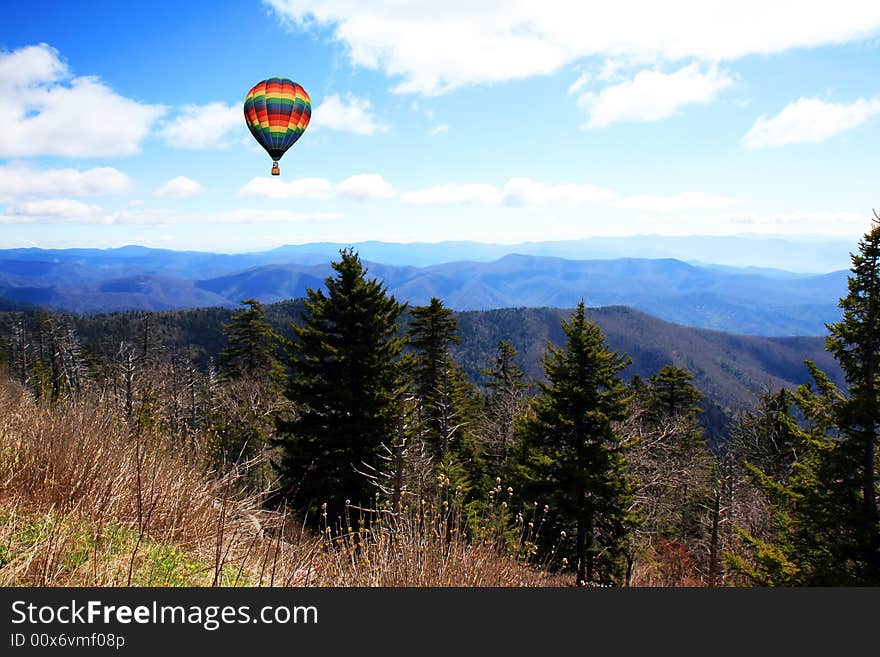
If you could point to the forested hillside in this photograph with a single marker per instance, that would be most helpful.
(605, 444)
(731, 370)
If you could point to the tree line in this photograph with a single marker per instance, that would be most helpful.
(356, 414)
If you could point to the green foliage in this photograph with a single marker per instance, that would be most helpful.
(252, 346)
(670, 394)
(810, 535)
(573, 457)
(438, 383)
(671, 461)
(768, 437)
(826, 525)
(855, 342)
(346, 384)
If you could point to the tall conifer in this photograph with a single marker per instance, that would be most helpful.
(346, 385)
(575, 459)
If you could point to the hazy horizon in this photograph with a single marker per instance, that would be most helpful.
(803, 254)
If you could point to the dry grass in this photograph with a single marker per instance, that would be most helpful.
(87, 501)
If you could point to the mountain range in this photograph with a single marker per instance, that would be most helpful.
(755, 301)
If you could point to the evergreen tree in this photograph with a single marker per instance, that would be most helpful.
(252, 346)
(637, 389)
(810, 540)
(855, 342)
(672, 395)
(574, 457)
(827, 529)
(768, 437)
(346, 383)
(673, 472)
(438, 382)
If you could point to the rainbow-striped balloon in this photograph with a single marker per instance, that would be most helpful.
(277, 112)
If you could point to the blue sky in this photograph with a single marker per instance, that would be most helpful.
(506, 122)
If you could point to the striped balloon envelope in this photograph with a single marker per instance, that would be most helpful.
(277, 112)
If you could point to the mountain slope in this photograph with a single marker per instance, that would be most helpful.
(730, 369)
(670, 289)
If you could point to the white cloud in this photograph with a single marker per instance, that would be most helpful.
(365, 186)
(179, 187)
(275, 188)
(358, 187)
(31, 65)
(45, 111)
(434, 47)
(653, 95)
(213, 125)
(582, 81)
(20, 180)
(610, 71)
(68, 211)
(56, 210)
(516, 192)
(348, 114)
(528, 193)
(810, 120)
(454, 194)
(439, 129)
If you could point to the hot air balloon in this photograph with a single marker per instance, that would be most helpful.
(277, 112)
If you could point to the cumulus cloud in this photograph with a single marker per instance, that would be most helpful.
(302, 188)
(56, 210)
(809, 120)
(365, 186)
(179, 187)
(44, 110)
(434, 47)
(525, 192)
(347, 114)
(214, 125)
(653, 95)
(516, 192)
(20, 180)
(359, 187)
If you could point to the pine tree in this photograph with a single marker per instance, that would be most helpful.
(672, 395)
(827, 530)
(346, 384)
(768, 437)
(855, 342)
(574, 457)
(673, 406)
(810, 539)
(252, 348)
(437, 381)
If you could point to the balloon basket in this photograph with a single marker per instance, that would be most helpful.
(276, 170)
